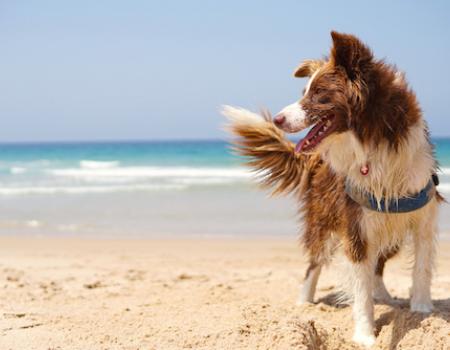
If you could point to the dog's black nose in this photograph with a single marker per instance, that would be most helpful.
(279, 119)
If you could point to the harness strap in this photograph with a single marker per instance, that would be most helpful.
(400, 205)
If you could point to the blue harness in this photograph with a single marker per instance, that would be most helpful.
(400, 205)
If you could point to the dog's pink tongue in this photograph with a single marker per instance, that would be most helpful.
(300, 144)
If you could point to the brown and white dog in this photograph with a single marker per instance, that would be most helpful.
(367, 133)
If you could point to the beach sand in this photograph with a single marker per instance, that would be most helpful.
(63, 293)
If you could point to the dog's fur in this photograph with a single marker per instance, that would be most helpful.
(377, 123)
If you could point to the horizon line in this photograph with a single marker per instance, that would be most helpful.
(81, 141)
(164, 140)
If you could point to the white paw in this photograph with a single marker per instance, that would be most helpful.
(302, 300)
(366, 340)
(422, 307)
(305, 296)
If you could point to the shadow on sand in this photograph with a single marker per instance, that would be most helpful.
(401, 318)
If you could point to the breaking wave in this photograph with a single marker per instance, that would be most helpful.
(152, 172)
(94, 164)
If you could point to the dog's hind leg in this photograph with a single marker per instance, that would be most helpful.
(320, 253)
(308, 287)
(380, 293)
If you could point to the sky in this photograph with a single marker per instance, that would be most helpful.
(152, 70)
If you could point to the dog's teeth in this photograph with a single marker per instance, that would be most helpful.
(307, 142)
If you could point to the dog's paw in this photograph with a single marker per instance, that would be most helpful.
(366, 340)
(422, 307)
(303, 300)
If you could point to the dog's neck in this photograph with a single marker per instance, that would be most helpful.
(391, 173)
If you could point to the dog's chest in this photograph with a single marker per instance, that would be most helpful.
(386, 230)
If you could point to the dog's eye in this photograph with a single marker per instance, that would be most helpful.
(324, 100)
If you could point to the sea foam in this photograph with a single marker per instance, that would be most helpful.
(17, 170)
(14, 191)
(152, 172)
(94, 164)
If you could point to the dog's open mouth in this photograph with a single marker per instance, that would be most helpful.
(319, 131)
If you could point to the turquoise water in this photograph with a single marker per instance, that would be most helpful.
(71, 168)
(128, 189)
(442, 147)
(120, 166)
(170, 153)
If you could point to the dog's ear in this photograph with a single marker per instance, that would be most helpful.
(350, 53)
(307, 68)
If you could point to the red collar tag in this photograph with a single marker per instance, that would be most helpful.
(364, 170)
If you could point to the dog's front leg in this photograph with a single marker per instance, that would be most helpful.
(422, 272)
(363, 273)
(362, 257)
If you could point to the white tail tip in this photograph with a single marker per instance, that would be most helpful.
(240, 115)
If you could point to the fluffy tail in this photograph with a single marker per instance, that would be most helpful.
(270, 154)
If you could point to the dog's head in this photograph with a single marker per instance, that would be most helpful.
(335, 95)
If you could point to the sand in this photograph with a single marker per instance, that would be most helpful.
(193, 294)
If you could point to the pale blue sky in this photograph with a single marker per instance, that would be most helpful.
(102, 70)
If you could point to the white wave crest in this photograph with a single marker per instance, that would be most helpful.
(444, 187)
(17, 170)
(13, 191)
(444, 171)
(153, 172)
(95, 164)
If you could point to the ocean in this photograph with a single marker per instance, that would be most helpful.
(144, 189)
(76, 168)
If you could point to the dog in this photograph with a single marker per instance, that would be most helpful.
(364, 173)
